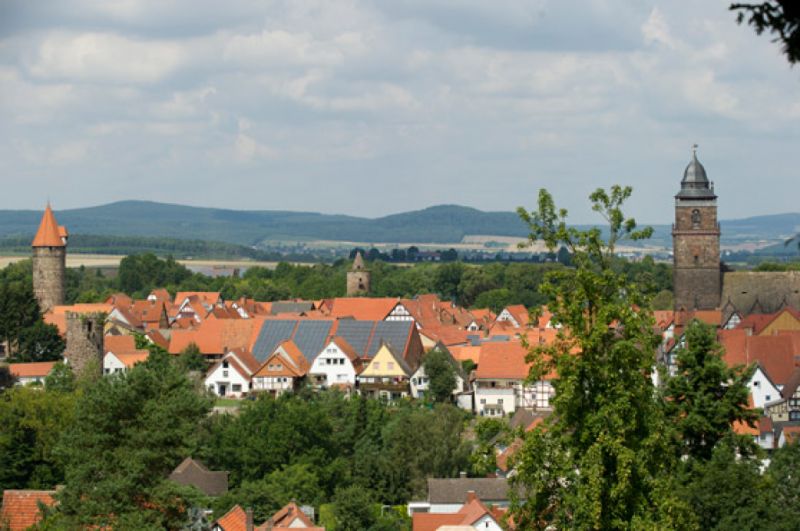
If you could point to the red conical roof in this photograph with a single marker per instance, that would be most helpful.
(49, 233)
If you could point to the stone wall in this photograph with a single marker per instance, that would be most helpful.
(357, 283)
(85, 342)
(49, 265)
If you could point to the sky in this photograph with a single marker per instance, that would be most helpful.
(368, 107)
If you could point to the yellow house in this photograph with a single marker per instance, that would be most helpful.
(786, 319)
(386, 375)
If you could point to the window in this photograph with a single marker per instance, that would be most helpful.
(794, 415)
(500, 401)
(756, 384)
(390, 366)
(224, 364)
(376, 365)
(224, 374)
(695, 219)
(107, 371)
(237, 388)
(483, 400)
(767, 398)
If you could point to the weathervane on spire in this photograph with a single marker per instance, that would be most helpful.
(694, 149)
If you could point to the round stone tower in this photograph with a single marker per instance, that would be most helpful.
(358, 277)
(85, 342)
(49, 262)
(697, 275)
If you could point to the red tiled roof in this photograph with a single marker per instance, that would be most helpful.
(57, 315)
(233, 520)
(48, 234)
(21, 507)
(119, 344)
(31, 370)
(129, 359)
(791, 433)
(363, 308)
(472, 511)
(216, 336)
(503, 360)
(775, 354)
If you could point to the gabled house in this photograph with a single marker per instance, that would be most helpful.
(447, 495)
(31, 373)
(20, 508)
(290, 516)
(196, 474)
(473, 515)
(387, 375)
(232, 376)
(282, 371)
(120, 354)
(500, 381)
(787, 407)
(336, 365)
(516, 314)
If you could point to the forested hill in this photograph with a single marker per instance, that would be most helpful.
(437, 224)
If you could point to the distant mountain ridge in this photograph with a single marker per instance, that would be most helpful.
(440, 224)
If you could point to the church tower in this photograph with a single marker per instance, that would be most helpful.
(697, 276)
(358, 278)
(49, 261)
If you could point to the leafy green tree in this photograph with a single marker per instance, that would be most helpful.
(781, 17)
(32, 422)
(191, 359)
(474, 281)
(494, 299)
(705, 397)
(39, 342)
(448, 278)
(353, 509)
(296, 482)
(130, 430)
(594, 463)
(784, 482)
(663, 300)
(725, 492)
(488, 431)
(441, 375)
(61, 378)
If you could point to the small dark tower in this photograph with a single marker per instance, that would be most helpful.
(695, 242)
(84, 350)
(358, 277)
(49, 261)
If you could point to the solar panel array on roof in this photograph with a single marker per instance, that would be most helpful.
(497, 338)
(290, 307)
(272, 333)
(356, 333)
(474, 340)
(310, 337)
(393, 332)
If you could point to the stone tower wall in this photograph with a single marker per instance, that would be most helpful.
(697, 274)
(49, 267)
(85, 341)
(357, 283)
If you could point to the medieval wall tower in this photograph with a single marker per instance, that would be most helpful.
(49, 262)
(358, 278)
(85, 342)
(697, 277)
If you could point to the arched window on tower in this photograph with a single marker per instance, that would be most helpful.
(695, 219)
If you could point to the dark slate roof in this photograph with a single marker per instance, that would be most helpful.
(771, 290)
(191, 472)
(695, 183)
(455, 490)
(291, 307)
(311, 335)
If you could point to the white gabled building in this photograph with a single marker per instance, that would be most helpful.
(232, 375)
(336, 365)
(282, 371)
(114, 363)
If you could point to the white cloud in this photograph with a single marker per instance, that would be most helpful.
(103, 58)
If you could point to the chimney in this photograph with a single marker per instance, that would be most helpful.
(471, 496)
(248, 522)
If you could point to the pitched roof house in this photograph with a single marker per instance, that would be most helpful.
(473, 514)
(196, 474)
(283, 370)
(31, 373)
(387, 375)
(21, 508)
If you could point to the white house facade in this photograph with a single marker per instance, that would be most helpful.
(332, 366)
